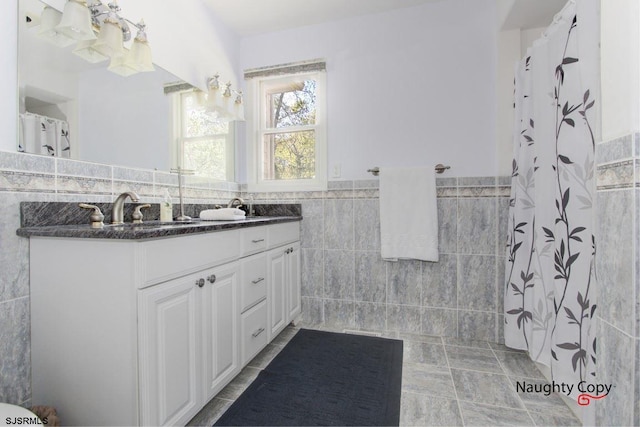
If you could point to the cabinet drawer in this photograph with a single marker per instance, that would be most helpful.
(280, 234)
(253, 280)
(166, 259)
(254, 331)
(253, 240)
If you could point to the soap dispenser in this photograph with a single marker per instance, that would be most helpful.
(166, 207)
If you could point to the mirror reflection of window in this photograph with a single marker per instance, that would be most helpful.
(205, 143)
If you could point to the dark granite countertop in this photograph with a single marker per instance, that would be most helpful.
(67, 219)
(150, 229)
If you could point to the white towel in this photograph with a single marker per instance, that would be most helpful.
(222, 214)
(408, 214)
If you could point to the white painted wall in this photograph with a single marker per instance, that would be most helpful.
(508, 55)
(9, 76)
(409, 87)
(131, 129)
(620, 64)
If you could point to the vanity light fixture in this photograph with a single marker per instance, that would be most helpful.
(81, 21)
(76, 21)
(226, 103)
(110, 37)
(238, 107)
(49, 20)
(139, 57)
(85, 50)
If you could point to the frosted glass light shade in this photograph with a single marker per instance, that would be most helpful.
(109, 41)
(119, 65)
(49, 20)
(85, 50)
(139, 56)
(76, 21)
(238, 111)
(213, 99)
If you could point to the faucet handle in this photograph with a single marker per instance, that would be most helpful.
(137, 215)
(96, 217)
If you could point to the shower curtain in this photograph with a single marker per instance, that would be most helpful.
(44, 135)
(550, 286)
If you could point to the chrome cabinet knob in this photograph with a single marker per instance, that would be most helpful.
(200, 282)
(211, 278)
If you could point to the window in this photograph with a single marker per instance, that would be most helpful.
(288, 120)
(205, 144)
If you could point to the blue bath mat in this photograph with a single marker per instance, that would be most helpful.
(323, 379)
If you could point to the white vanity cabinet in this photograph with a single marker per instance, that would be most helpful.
(188, 341)
(283, 270)
(170, 350)
(146, 332)
(284, 289)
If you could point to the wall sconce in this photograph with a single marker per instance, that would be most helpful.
(226, 103)
(81, 21)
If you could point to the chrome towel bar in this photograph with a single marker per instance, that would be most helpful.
(440, 168)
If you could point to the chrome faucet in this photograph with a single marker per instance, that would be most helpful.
(237, 201)
(117, 213)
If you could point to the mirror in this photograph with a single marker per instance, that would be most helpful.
(116, 120)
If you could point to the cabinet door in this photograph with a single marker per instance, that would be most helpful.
(169, 354)
(293, 281)
(220, 334)
(277, 273)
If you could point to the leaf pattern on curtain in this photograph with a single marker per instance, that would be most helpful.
(44, 135)
(550, 284)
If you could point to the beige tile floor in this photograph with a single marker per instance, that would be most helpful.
(445, 382)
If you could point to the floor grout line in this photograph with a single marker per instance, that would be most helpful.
(455, 392)
(513, 385)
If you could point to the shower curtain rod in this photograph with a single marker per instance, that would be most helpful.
(440, 168)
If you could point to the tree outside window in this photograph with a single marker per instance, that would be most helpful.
(286, 129)
(206, 142)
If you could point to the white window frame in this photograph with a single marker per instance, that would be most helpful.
(256, 129)
(177, 146)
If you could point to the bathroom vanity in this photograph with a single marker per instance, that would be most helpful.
(145, 328)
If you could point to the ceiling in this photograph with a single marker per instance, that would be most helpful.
(526, 14)
(252, 17)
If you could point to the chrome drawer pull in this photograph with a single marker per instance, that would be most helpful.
(255, 282)
(258, 332)
(258, 241)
